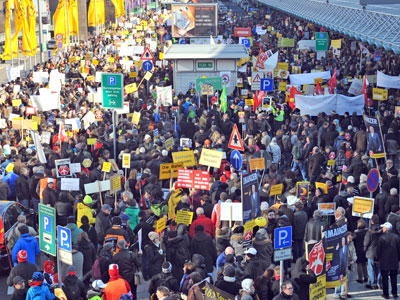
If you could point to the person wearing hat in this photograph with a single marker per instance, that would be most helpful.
(116, 286)
(263, 245)
(50, 196)
(116, 233)
(228, 282)
(254, 266)
(24, 269)
(154, 254)
(103, 222)
(38, 289)
(72, 286)
(84, 209)
(48, 271)
(20, 288)
(203, 244)
(96, 292)
(388, 254)
(165, 278)
(247, 291)
(28, 243)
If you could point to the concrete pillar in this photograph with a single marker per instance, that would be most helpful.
(83, 20)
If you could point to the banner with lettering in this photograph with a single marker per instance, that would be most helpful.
(213, 293)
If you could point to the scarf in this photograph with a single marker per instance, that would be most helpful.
(115, 277)
(36, 283)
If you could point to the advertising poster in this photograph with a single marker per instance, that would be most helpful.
(251, 199)
(194, 20)
(375, 146)
(316, 253)
(336, 256)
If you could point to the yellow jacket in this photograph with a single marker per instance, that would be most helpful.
(84, 210)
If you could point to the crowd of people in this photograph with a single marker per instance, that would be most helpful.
(115, 245)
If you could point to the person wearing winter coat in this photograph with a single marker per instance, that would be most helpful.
(103, 222)
(83, 209)
(388, 254)
(314, 227)
(202, 244)
(50, 196)
(177, 253)
(370, 243)
(91, 232)
(299, 226)
(154, 254)
(237, 240)
(165, 278)
(263, 245)
(24, 268)
(275, 151)
(96, 292)
(208, 225)
(75, 231)
(38, 289)
(72, 286)
(196, 288)
(263, 285)
(14, 233)
(287, 292)
(28, 243)
(303, 276)
(133, 212)
(129, 263)
(315, 162)
(10, 179)
(88, 250)
(248, 291)
(228, 282)
(116, 286)
(255, 266)
(19, 288)
(22, 188)
(360, 233)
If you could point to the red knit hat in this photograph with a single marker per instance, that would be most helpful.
(49, 266)
(22, 256)
(113, 270)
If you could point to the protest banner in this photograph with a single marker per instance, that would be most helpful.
(276, 189)
(195, 179)
(323, 186)
(251, 197)
(302, 189)
(211, 158)
(375, 146)
(327, 208)
(184, 217)
(115, 183)
(256, 164)
(161, 223)
(97, 186)
(186, 157)
(213, 293)
(379, 94)
(231, 211)
(70, 184)
(165, 170)
(363, 207)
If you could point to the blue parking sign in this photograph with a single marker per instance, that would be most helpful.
(246, 42)
(267, 84)
(283, 237)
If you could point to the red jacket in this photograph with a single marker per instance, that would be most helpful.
(207, 224)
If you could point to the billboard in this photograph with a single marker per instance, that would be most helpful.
(194, 20)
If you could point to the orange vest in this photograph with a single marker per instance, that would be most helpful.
(115, 289)
(43, 185)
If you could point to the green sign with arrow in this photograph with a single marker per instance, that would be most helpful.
(47, 229)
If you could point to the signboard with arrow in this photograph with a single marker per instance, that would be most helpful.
(236, 160)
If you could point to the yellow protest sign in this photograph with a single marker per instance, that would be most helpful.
(35, 125)
(362, 205)
(139, 27)
(126, 160)
(331, 162)
(186, 157)
(19, 123)
(318, 289)
(336, 44)
(249, 102)
(282, 66)
(184, 217)
(95, 62)
(106, 167)
(377, 94)
(130, 88)
(249, 226)
(111, 59)
(282, 86)
(161, 56)
(165, 170)
(16, 102)
(317, 80)
(211, 158)
(148, 75)
(161, 223)
(269, 28)
(36, 119)
(276, 189)
(91, 141)
(256, 164)
(323, 186)
(132, 74)
(143, 23)
(115, 184)
(136, 117)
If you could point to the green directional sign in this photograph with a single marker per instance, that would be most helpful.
(216, 82)
(47, 229)
(321, 41)
(113, 91)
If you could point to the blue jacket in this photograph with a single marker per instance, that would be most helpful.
(28, 243)
(40, 292)
(221, 260)
(10, 179)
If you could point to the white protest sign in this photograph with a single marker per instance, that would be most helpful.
(75, 167)
(231, 211)
(94, 187)
(70, 184)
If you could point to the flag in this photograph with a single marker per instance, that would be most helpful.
(62, 136)
(318, 89)
(73, 23)
(293, 93)
(224, 100)
(262, 57)
(364, 90)
(332, 83)
(7, 45)
(118, 8)
(20, 16)
(271, 61)
(364, 50)
(212, 42)
(96, 13)
(258, 96)
(29, 43)
(59, 21)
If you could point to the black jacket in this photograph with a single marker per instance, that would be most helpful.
(302, 279)
(128, 263)
(23, 269)
(105, 261)
(314, 229)
(264, 250)
(263, 287)
(72, 287)
(165, 279)
(388, 251)
(19, 294)
(89, 255)
(177, 254)
(103, 223)
(154, 258)
(4, 190)
(229, 287)
(359, 245)
(255, 268)
(49, 196)
(299, 226)
(22, 187)
(202, 244)
(371, 241)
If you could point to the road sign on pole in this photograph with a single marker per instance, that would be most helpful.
(64, 245)
(373, 180)
(283, 237)
(235, 142)
(113, 90)
(236, 160)
(147, 65)
(321, 41)
(267, 84)
(47, 229)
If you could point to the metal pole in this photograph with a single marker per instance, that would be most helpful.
(40, 32)
(281, 276)
(59, 268)
(65, 23)
(115, 133)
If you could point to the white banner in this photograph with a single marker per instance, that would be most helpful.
(386, 81)
(308, 78)
(70, 184)
(46, 101)
(313, 105)
(306, 45)
(39, 148)
(356, 87)
(164, 95)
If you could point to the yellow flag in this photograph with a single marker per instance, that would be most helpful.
(29, 43)
(122, 7)
(20, 17)
(118, 8)
(96, 13)
(7, 46)
(59, 20)
(73, 17)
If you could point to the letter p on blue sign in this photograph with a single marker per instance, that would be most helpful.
(112, 80)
